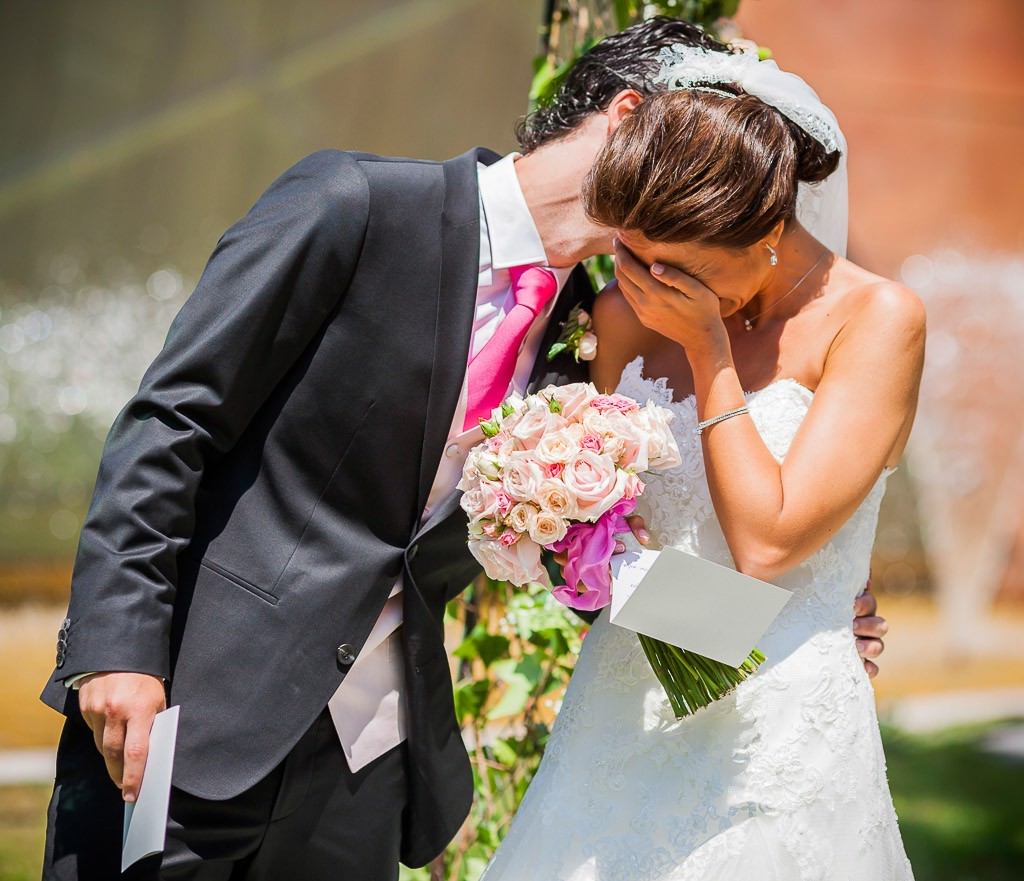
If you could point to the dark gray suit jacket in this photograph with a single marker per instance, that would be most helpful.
(260, 495)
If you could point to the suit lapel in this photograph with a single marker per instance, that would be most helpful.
(456, 297)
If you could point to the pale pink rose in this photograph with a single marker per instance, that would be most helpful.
(573, 397)
(521, 517)
(535, 423)
(509, 537)
(490, 529)
(592, 442)
(472, 502)
(523, 475)
(554, 496)
(623, 439)
(589, 477)
(604, 403)
(583, 318)
(519, 564)
(556, 446)
(587, 346)
(490, 501)
(500, 444)
(548, 528)
(663, 451)
(617, 492)
(634, 487)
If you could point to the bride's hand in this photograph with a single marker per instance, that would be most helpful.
(869, 629)
(669, 301)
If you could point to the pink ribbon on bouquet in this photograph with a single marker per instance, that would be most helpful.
(589, 548)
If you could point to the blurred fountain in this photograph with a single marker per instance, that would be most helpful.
(966, 453)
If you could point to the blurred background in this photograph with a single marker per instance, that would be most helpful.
(135, 132)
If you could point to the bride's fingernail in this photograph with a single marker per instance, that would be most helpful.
(657, 268)
(620, 548)
(643, 535)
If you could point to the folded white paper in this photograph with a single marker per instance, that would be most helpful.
(145, 822)
(692, 603)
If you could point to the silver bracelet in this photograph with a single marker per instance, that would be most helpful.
(707, 423)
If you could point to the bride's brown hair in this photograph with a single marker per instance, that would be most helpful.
(699, 166)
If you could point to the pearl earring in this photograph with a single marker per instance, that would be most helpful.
(773, 259)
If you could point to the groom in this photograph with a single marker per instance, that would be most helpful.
(275, 532)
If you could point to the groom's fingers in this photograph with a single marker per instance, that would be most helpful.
(112, 748)
(136, 750)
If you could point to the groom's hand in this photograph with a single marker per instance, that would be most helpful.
(119, 709)
(869, 629)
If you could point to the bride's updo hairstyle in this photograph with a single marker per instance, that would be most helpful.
(699, 166)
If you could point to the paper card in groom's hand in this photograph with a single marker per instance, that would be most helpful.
(692, 603)
(145, 822)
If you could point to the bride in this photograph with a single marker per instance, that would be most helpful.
(793, 377)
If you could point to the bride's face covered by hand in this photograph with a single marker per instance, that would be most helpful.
(735, 275)
(704, 182)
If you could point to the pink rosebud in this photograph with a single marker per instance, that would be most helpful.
(620, 403)
(591, 442)
(505, 502)
(555, 469)
(509, 537)
(490, 530)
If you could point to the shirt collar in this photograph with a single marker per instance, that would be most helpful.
(512, 234)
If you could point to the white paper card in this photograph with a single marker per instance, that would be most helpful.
(145, 822)
(692, 603)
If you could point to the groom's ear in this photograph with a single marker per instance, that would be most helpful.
(624, 103)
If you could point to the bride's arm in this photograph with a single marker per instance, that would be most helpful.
(774, 516)
(620, 337)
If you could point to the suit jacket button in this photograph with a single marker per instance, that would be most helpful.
(346, 655)
(60, 657)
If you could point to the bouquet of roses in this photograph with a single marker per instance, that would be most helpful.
(560, 471)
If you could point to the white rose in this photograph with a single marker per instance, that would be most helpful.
(548, 528)
(554, 497)
(521, 517)
(587, 346)
(555, 447)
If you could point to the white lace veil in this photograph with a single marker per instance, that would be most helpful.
(823, 207)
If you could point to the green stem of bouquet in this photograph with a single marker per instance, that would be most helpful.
(693, 681)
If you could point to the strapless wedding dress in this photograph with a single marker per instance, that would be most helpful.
(783, 780)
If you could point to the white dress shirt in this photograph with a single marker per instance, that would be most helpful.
(368, 708)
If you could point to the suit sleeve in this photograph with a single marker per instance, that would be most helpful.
(273, 280)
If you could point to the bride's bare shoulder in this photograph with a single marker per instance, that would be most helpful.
(620, 337)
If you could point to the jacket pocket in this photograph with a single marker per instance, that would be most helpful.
(238, 581)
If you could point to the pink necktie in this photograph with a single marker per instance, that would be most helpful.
(490, 372)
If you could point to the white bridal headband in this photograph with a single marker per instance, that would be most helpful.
(821, 207)
(691, 67)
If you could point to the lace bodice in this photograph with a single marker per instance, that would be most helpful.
(782, 780)
(678, 510)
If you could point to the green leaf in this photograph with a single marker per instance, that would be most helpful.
(469, 698)
(488, 647)
(554, 406)
(507, 409)
(504, 752)
(556, 350)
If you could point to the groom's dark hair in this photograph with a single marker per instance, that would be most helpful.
(626, 60)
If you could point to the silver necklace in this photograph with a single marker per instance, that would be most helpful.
(748, 323)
